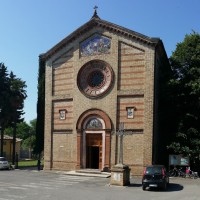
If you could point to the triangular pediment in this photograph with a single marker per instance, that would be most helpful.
(95, 22)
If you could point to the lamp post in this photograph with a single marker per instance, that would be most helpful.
(16, 104)
(14, 141)
(2, 126)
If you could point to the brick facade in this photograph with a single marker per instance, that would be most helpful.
(132, 59)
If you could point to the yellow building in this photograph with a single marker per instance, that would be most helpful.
(8, 146)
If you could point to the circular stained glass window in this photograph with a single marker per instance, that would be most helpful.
(95, 78)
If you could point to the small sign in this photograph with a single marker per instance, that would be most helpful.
(130, 112)
(179, 160)
(185, 161)
(62, 114)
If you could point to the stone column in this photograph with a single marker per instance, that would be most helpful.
(107, 152)
(120, 173)
(78, 165)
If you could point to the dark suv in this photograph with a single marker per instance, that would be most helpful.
(155, 176)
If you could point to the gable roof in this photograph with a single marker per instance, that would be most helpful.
(95, 21)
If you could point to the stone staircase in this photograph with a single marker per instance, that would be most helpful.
(89, 172)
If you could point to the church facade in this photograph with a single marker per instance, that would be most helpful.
(99, 80)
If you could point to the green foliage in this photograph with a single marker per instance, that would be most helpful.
(29, 142)
(12, 96)
(4, 95)
(25, 132)
(185, 87)
(40, 108)
(17, 95)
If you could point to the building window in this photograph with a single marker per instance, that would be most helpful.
(130, 112)
(62, 114)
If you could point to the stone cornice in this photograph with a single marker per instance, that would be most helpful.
(67, 97)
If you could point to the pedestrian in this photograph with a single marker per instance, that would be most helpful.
(187, 171)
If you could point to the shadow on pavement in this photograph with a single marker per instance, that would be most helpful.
(173, 187)
(134, 185)
(30, 168)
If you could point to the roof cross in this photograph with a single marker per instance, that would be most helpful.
(95, 12)
(95, 8)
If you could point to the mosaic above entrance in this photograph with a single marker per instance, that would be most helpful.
(95, 45)
(94, 123)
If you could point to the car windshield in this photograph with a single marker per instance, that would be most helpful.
(2, 159)
(153, 170)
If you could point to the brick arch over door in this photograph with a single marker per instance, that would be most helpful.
(80, 132)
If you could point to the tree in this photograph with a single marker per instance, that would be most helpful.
(25, 132)
(30, 141)
(4, 101)
(22, 131)
(12, 96)
(40, 108)
(185, 87)
(17, 97)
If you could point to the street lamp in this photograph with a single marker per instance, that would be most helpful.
(16, 104)
(14, 139)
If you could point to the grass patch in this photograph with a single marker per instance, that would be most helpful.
(27, 163)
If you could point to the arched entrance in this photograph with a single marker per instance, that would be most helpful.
(93, 140)
(93, 143)
(94, 151)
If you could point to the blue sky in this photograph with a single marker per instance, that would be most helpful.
(31, 27)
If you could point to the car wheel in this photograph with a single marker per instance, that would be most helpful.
(143, 187)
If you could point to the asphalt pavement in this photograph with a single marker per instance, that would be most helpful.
(31, 184)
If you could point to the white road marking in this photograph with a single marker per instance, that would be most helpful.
(17, 188)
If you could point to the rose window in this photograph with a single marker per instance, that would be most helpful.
(96, 79)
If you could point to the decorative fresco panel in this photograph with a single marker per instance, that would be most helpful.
(94, 45)
(94, 123)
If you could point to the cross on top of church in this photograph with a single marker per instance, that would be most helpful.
(95, 8)
(95, 12)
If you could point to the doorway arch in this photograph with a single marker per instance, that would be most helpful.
(93, 140)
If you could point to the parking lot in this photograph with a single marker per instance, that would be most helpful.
(41, 185)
